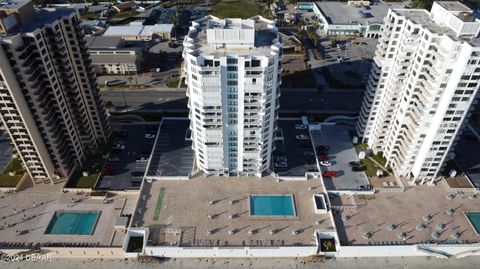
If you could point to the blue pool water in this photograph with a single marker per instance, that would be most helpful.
(474, 218)
(272, 205)
(73, 222)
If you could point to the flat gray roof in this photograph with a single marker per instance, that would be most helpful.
(341, 13)
(113, 58)
(103, 42)
(453, 6)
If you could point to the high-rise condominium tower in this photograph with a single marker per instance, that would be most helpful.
(233, 70)
(421, 88)
(50, 103)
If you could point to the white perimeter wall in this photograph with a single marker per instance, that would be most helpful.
(192, 252)
(404, 250)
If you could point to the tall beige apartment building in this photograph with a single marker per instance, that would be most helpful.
(50, 103)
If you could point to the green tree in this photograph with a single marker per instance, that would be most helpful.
(425, 4)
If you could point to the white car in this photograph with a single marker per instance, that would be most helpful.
(325, 163)
(300, 127)
(302, 137)
(119, 146)
(281, 164)
(149, 136)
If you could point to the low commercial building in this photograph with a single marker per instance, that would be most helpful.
(110, 56)
(139, 32)
(352, 17)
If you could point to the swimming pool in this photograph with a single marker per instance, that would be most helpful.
(474, 218)
(272, 205)
(73, 222)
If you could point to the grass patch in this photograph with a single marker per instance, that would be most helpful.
(174, 83)
(15, 165)
(158, 207)
(124, 14)
(300, 79)
(369, 164)
(236, 9)
(90, 16)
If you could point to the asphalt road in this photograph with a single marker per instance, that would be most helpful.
(291, 100)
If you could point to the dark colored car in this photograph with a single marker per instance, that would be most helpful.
(135, 183)
(136, 174)
(358, 168)
(322, 147)
(323, 158)
(354, 163)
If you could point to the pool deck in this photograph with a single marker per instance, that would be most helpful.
(50, 199)
(406, 209)
(185, 206)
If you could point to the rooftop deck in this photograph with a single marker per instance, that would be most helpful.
(406, 210)
(185, 205)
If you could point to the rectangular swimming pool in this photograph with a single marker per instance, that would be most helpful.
(272, 205)
(474, 218)
(73, 222)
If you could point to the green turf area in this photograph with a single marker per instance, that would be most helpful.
(236, 9)
(174, 84)
(12, 181)
(369, 164)
(158, 207)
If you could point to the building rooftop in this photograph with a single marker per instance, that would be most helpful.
(453, 6)
(214, 36)
(12, 4)
(138, 30)
(341, 13)
(406, 210)
(422, 17)
(114, 58)
(179, 197)
(103, 42)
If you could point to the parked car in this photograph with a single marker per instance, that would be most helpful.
(141, 160)
(322, 152)
(308, 153)
(354, 163)
(120, 141)
(300, 127)
(149, 136)
(108, 169)
(134, 183)
(358, 168)
(302, 137)
(119, 146)
(115, 82)
(116, 151)
(330, 174)
(325, 163)
(280, 159)
(323, 158)
(122, 134)
(322, 147)
(113, 159)
(305, 145)
(136, 174)
(281, 164)
(366, 187)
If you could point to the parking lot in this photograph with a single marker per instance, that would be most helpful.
(340, 153)
(127, 161)
(298, 153)
(172, 155)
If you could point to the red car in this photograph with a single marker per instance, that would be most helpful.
(323, 158)
(330, 174)
(108, 169)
